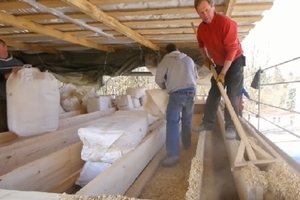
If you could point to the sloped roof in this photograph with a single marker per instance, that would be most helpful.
(89, 39)
(58, 25)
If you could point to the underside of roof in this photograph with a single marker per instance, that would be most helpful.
(100, 37)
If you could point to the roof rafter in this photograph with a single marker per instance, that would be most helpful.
(33, 47)
(148, 31)
(96, 13)
(29, 25)
(229, 7)
(152, 11)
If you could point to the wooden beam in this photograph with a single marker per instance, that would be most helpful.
(187, 22)
(93, 11)
(25, 150)
(151, 11)
(148, 31)
(229, 7)
(137, 187)
(45, 173)
(12, 5)
(252, 6)
(119, 13)
(28, 25)
(108, 181)
(33, 47)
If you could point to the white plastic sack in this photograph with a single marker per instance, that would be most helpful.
(156, 102)
(86, 92)
(124, 102)
(113, 136)
(136, 92)
(96, 141)
(143, 100)
(71, 103)
(61, 110)
(32, 102)
(90, 171)
(96, 104)
(136, 102)
(66, 90)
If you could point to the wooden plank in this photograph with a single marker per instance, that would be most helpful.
(79, 119)
(229, 7)
(242, 187)
(25, 150)
(136, 188)
(45, 173)
(70, 114)
(6, 137)
(96, 13)
(66, 183)
(127, 168)
(29, 25)
(33, 47)
(26, 195)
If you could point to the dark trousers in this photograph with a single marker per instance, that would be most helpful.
(233, 84)
(3, 116)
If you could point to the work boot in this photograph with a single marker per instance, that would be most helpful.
(170, 161)
(186, 145)
(230, 134)
(202, 127)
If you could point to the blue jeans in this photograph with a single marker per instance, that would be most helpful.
(179, 103)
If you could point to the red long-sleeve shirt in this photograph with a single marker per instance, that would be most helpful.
(220, 38)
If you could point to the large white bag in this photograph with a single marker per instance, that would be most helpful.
(32, 102)
(90, 171)
(156, 102)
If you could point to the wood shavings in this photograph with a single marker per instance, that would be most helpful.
(102, 197)
(254, 177)
(283, 182)
(195, 179)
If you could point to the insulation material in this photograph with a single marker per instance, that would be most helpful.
(32, 102)
(66, 90)
(96, 104)
(71, 103)
(151, 118)
(86, 92)
(136, 102)
(113, 136)
(254, 177)
(90, 171)
(195, 177)
(102, 197)
(136, 92)
(156, 103)
(283, 182)
(124, 102)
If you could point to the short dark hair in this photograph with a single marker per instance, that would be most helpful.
(170, 48)
(2, 42)
(197, 2)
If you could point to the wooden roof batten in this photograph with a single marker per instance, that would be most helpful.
(25, 29)
(96, 13)
(29, 25)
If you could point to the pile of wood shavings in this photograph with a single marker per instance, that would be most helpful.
(195, 180)
(254, 177)
(102, 197)
(283, 182)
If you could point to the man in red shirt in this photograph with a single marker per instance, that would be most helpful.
(220, 48)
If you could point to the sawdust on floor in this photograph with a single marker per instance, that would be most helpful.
(218, 183)
(172, 183)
